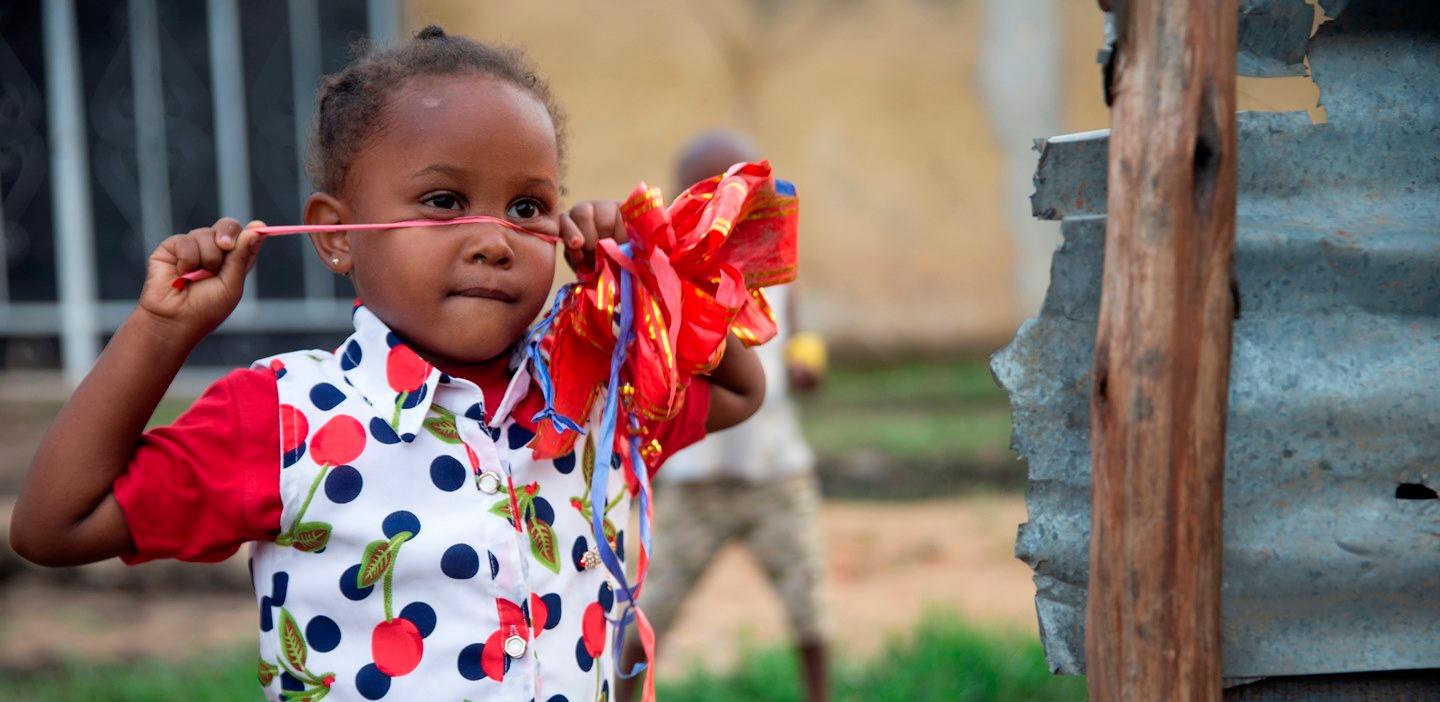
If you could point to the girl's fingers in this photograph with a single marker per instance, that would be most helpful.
(570, 233)
(227, 231)
(241, 260)
(187, 252)
(575, 252)
(583, 215)
(617, 229)
(211, 252)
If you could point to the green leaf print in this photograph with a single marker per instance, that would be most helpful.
(314, 694)
(268, 671)
(502, 508)
(292, 642)
(443, 426)
(311, 536)
(374, 563)
(609, 529)
(587, 461)
(542, 544)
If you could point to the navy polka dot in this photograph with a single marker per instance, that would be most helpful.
(322, 633)
(371, 683)
(421, 615)
(494, 433)
(401, 520)
(293, 455)
(350, 585)
(279, 586)
(577, 552)
(620, 545)
(582, 656)
(444, 377)
(326, 396)
(343, 484)
(476, 412)
(543, 511)
(290, 682)
(558, 698)
(565, 463)
(447, 473)
(407, 437)
(607, 595)
(519, 436)
(351, 357)
(494, 565)
(415, 398)
(266, 622)
(391, 340)
(460, 562)
(469, 661)
(380, 429)
(553, 605)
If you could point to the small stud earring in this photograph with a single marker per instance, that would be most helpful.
(335, 260)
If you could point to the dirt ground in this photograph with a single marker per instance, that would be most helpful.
(889, 562)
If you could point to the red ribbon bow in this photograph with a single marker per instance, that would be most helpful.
(698, 267)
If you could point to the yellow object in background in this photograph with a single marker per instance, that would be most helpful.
(807, 349)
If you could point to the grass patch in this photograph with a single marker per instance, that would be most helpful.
(225, 677)
(975, 435)
(918, 383)
(945, 660)
(919, 428)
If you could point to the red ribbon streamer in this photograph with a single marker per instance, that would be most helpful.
(699, 265)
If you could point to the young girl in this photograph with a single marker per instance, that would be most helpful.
(406, 544)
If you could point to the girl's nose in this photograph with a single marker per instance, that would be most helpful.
(489, 244)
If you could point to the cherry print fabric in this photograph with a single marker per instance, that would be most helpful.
(421, 541)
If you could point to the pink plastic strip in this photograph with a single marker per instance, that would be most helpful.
(284, 229)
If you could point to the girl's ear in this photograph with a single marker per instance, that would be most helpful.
(333, 247)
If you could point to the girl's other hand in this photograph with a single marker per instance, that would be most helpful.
(196, 309)
(582, 228)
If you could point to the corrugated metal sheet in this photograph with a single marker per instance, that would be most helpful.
(1335, 370)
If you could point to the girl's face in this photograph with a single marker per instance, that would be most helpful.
(465, 144)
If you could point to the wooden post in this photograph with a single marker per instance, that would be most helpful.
(1162, 356)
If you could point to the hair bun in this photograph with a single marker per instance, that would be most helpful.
(431, 32)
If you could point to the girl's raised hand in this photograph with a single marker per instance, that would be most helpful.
(582, 228)
(196, 309)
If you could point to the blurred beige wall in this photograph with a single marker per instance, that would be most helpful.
(873, 108)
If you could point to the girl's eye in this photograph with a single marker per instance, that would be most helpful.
(444, 201)
(525, 208)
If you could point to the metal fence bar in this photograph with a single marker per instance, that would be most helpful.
(4, 256)
(383, 19)
(227, 91)
(305, 72)
(151, 147)
(70, 180)
(37, 319)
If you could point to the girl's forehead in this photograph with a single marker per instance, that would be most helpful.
(428, 97)
(462, 114)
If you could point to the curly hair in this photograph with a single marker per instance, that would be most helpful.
(348, 102)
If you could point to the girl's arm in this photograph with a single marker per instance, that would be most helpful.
(737, 386)
(66, 514)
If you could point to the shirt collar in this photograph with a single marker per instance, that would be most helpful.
(399, 385)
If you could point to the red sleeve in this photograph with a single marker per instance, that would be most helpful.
(199, 488)
(688, 428)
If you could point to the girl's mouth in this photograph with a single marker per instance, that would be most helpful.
(485, 292)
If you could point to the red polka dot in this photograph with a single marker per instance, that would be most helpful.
(339, 442)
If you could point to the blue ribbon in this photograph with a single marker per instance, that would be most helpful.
(542, 369)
